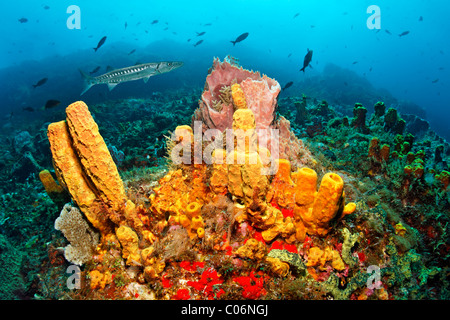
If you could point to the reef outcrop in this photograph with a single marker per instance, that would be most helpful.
(245, 197)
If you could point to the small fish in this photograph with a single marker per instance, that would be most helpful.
(287, 85)
(404, 33)
(387, 31)
(370, 69)
(154, 22)
(100, 43)
(95, 70)
(132, 51)
(307, 59)
(198, 42)
(109, 68)
(441, 68)
(51, 104)
(296, 15)
(207, 24)
(354, 62)
(345, 83)
(166, 28)
(23, 20)
(312, 26)
(46, 7)
(289, 55)
(242, 37)
(126, 25)
(29, 109)
(188, 40)
(40, 82)
(200, 33)
(420, 18)
(435, 81)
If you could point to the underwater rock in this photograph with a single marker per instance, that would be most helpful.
(415, 124)
(302, 113)
(11, 281)
(23, 142)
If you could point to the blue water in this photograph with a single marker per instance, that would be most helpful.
(414, 67)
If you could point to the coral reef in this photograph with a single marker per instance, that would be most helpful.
(233, 218)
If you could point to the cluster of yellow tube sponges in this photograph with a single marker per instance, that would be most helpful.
(85, 168)
(314, 211)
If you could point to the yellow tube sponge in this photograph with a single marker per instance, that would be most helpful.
(193, 209)
(94, 155)
(70, 174)
(327, 205)
(197, 222)
(49, 183)
(219, 175)
(54, 190)
(315, 212)
(239, 101)
(282, 187)
(130, 245)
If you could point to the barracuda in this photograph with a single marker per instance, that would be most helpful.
(140, 71)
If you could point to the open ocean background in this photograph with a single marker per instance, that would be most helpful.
(413, 68)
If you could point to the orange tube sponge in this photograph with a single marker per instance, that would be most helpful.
(94, 155)
(54, 190)
(219, 175)
(193, 209)
(245, 167)
(315, 211)
(130, 245)
(99, 280)
(70, 174)
(246, 179)
(252, 249)
(282, 188)
(238, 97)
(328, 204)
(50, 185)
(319, 257)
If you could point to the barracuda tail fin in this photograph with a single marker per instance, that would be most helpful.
(87, 81)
